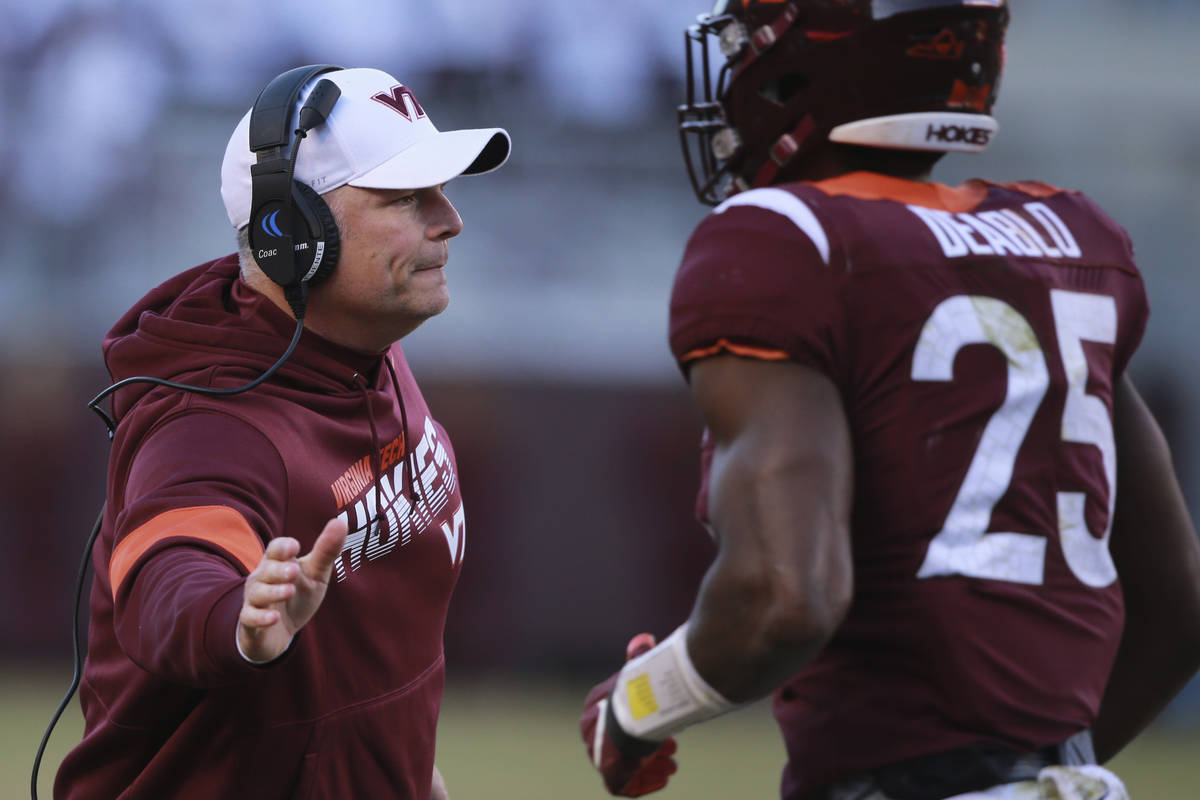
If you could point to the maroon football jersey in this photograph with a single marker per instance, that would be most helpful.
(975, 335)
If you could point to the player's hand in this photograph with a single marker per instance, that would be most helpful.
(635, 767)
(284, 591)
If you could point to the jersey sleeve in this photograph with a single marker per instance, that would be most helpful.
(755, 281)
(1132, 301)
(1137, 314)
(204, 494)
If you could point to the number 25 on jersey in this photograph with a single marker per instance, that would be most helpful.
(964, 546)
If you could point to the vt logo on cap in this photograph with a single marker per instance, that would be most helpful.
(395, 101)
(364, 143)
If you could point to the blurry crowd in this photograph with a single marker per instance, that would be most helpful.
(86, 83)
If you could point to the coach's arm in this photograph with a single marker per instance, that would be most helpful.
(1157, 556)
(779, 505)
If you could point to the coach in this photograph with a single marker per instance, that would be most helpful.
(275, 564)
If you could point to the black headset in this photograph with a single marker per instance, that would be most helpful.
(293, 236)
(294, 240)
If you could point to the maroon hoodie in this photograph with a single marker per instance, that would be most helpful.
(196, 487)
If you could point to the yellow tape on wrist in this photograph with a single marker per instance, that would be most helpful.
(659, 693)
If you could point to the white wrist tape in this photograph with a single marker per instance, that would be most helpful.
(660, 693)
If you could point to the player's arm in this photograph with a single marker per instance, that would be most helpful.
(779, 504)
(1157, 556)
(755, 280)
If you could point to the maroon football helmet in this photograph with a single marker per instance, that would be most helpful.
(900, 74)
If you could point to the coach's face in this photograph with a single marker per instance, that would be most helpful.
(390, 276)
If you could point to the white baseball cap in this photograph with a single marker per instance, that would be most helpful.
(377, 136)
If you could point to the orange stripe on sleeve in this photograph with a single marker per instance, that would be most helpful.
(217, 525)
(746, 351)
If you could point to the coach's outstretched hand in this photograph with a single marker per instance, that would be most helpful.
(283, 592)
(630, 767)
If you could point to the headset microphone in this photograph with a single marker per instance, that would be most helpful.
(318, 105)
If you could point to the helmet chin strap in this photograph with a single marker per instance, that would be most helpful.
(938, 131)
(783, 151)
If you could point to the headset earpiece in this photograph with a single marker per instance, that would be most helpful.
(293, 235)
(309, 230)
(318, 218)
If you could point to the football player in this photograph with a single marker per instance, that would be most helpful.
(950, 538)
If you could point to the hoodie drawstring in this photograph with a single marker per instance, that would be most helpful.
(376, 458)
(409, 456)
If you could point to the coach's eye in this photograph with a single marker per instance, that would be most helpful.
(401, 199)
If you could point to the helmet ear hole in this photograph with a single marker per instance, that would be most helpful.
(782, 88)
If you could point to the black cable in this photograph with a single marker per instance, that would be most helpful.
(76, 649)
(111, 424)
(297, 297)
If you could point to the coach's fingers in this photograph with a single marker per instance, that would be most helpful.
(263, 594)
(283, 548)
(318, 564)
(251, 617)
(270, 571)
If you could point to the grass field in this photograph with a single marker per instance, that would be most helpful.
(519, 742)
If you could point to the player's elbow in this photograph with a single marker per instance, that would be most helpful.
(795, 614)
(810, 596)
(758, 622)
(804, 614)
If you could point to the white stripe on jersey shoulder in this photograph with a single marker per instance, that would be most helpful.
(787, 204)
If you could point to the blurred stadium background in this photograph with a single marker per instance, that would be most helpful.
(575, 436)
